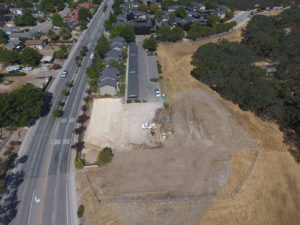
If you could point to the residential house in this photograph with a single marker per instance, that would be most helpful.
(85, 5)
(29, 35)
(137, 14)
(36, 44)
(13, 44)
(112, 55)
(121, 18)
(199, 6)
(221, 14)
(118, 43)
(18, 11)
(109, 81)
(172, 8)
(38, 15)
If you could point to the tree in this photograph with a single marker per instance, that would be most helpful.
(180, 12)
(79, 130)
(57, 20)
(103, 46)
(21, 106)
(65, 33)
(62, 52)
(9, 56)
(213, 19)
(105, 156)
(79, 146)
(51, 6)
(56, 113)
(84, 14)
(3, 37)
(52, 35)
(82, 118)
(92, 73)
(170, 34)
(150, 44)
(25, 20)
(125, 31)
(80, 211)
(30, 56)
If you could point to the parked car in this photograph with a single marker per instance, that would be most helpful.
(14, 71)
(27, 68)
(64, 74)
(157, 93)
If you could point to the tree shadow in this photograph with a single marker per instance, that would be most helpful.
(47, 103)
(9, 199)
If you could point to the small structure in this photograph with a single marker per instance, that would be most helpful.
(118, 43)
(113, 55)
(18, 11)
(48, 59)
(36, 44)
(85, 5)
(109, 81)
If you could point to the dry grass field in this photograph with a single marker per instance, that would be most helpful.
(270, 195)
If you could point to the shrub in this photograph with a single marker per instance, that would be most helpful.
(105, 156)
(18, 74)
(80, 211)
(166, 105)
(56, 113)
(78, 164)
(154, 79)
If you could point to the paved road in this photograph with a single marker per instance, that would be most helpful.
(46, 194)
(147, 69)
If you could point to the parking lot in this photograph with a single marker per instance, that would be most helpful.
(147, 69)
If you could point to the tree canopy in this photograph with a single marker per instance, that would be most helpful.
(229, 68)
(103, 46)
(125, 31)
(170, 34)
(150, 44)
(30, 56)
(21, 106)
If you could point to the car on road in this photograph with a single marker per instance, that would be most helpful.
(157, 93)
(64, 74)
(27, 69)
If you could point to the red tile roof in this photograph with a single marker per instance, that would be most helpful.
(66, 19)
(74, 11)
(85, 5)
(75, 17)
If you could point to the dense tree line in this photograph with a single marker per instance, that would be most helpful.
(28, 56)
(170, 34)
(20, 107)
(198, 30)
(229, 68)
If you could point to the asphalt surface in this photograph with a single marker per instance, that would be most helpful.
(147, 69)
(41, 189)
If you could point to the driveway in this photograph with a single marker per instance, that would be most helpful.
(147, 69)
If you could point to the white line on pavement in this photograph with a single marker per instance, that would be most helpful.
(28, 222)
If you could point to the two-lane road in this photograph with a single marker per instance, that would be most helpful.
(46, 194)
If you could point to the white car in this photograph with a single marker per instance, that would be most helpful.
(27, 69)
(64, 74)
(157, 93)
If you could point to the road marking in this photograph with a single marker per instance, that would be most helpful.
(66, 141)
(71, 120)
(64, 120)
(133, 71)
(37, 200)
(57, 142)
(28, 222)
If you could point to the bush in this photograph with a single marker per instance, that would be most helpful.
(154, 79)
(65, 92)
(18, 74)
(56, 113)
(105, 156)
(80, 211)
(78, 164)
(55, 67)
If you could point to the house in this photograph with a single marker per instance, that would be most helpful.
(137, 14)
(18, 11)
(75, 11)
(85, 5)
(121, 18)
(118, 43)
(36, 44)
(112, 55)
(221, 14)
(109, 81)
(111, 72)
(134, 5)
(9, 30)
(72, 23)
(199, 6)
(165, 17)
(172, 8)
(12, 44)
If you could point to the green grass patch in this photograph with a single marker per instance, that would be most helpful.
(18, 74)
